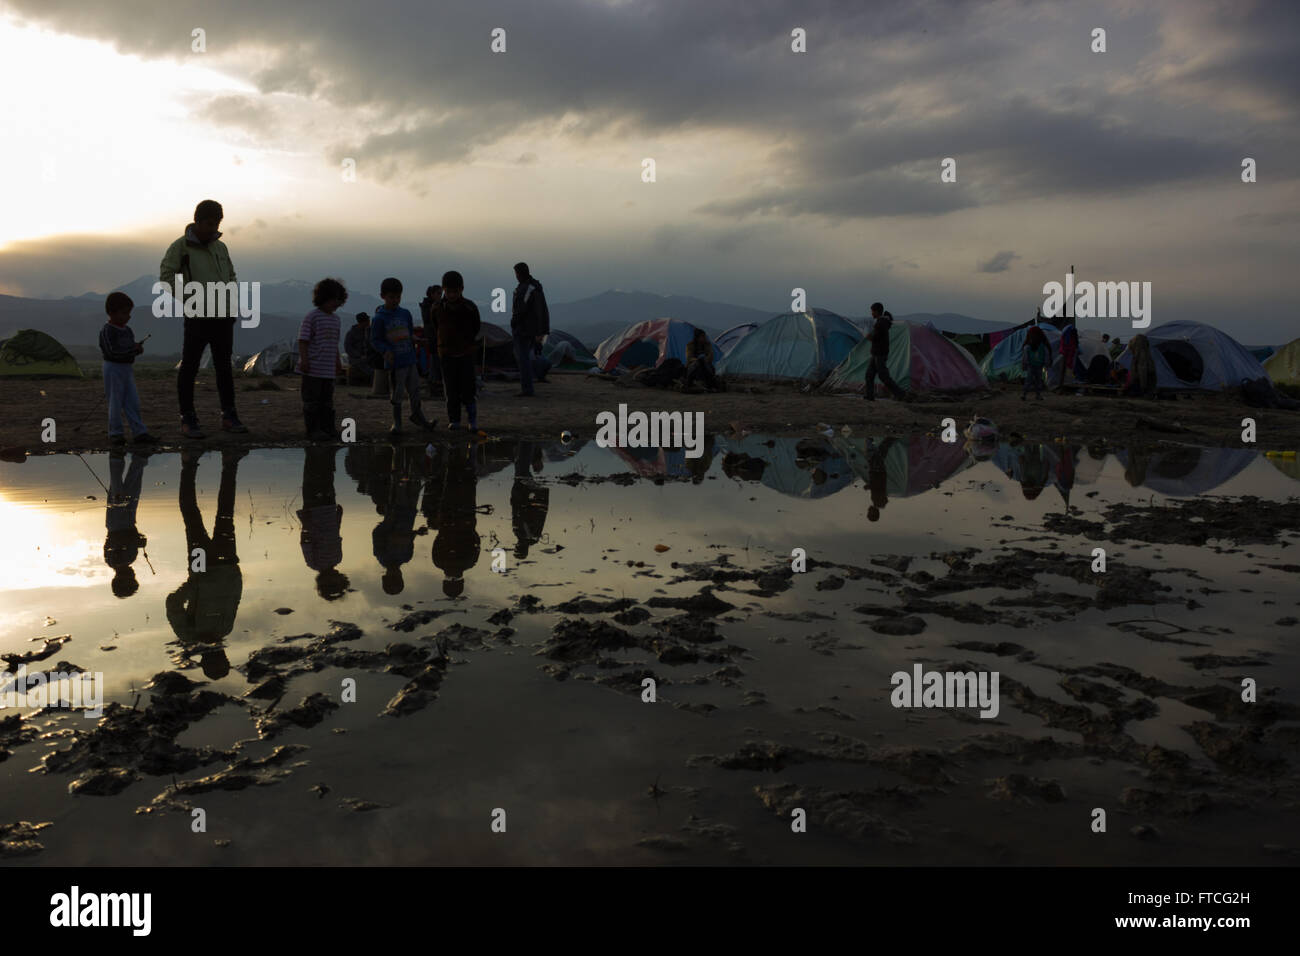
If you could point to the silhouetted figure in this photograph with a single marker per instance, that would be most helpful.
(122, 542)
(456, 546)
(357, 346)
(1034, 469)
(529, 500)
(878, 478)
(393, 539)
(1142, 368)
(1035, 356)
(699, 363)
(457, 321)
(202, 610)
(432, 296)
(201, 256)
(878, 364)
(321, 517)
(530, 322)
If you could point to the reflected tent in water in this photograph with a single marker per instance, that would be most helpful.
(1184, 472)
(911, 466)
(784, 465)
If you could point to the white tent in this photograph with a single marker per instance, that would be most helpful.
(280, 358)
(1191, 355)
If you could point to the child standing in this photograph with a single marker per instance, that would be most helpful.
(118, 346)
(458, 327)
(318, 354)
(393, 335)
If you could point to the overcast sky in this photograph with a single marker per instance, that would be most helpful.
(775, 169)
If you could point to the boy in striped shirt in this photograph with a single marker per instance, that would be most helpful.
(318, 353)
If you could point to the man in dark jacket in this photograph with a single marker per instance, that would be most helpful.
(879, 363)
(530, 322)
(357, 344)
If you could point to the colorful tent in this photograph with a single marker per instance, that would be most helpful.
(1283, 366)
(30, 353)
(647, 343)
(1002, 364)
(800, 347)
(921, 359)
(729, 339)
(1191, 355)
(565, 351)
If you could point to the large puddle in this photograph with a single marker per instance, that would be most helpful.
(520, 688)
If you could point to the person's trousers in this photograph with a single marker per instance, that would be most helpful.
(524, 358)
(877, 367)
(381, 383)
(405, 381)
(458, 380)
(123, 399)
(359, 374)
(318, 403)
(1033, 379)
(218, 335)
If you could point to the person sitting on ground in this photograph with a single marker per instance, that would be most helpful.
(1116, 348)
(1034, 356)
(878, 365)
(318, 352)
(458, 324)
(356, 344)
(699, 363)
(118, 346)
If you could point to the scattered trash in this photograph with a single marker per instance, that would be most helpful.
(981, 429)
(266, 401)
(846, 431)
(661, 548)
(566, 436)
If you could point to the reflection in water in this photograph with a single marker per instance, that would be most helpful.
(529, 499)
(393, 539)
(123, 541)
(1186, 471)
(321, 518)
(455, 518)
(202, 610)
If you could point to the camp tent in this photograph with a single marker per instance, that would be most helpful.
(30, 353)
(565, 351)
(777, 464)
(279, 358)
(1002, 364)
(647, 343)
(730, 338)
(668, 462)
(921, 359)
(797, 346)
(1185, 471)
(1191, 355)
(1283, 366)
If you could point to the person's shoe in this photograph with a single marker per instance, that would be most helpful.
(419, 419)
(191, 430)
(117, 439)
(454, 426)
(231, 423)
(396, 428)
(145, 439)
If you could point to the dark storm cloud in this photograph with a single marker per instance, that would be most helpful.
(855, 128)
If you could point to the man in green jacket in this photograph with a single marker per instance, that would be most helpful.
(201, 256)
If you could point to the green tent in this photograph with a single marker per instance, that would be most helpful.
(1283, 366)
(920, 360)
(30, 353)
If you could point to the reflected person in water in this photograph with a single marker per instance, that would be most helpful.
(456, 546)
(202, 610)
(321, 517)
(393, 539)
(122, 542)
(529, 499)
(878, 478)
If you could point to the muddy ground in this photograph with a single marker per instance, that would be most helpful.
(271, 409)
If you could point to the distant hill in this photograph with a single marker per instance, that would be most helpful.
(599, 316)
(955, 322)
